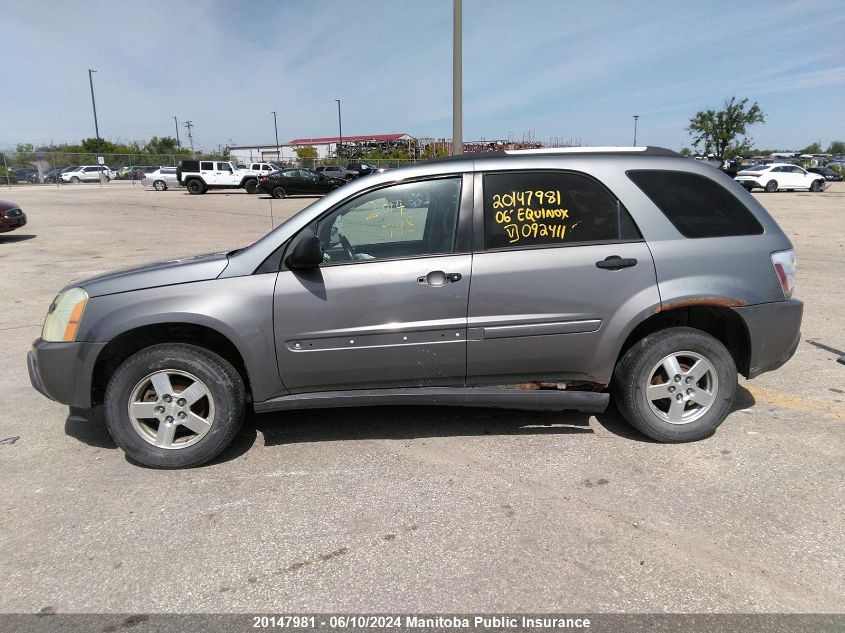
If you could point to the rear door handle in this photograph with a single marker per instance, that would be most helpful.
(437, 278)
(614, 262)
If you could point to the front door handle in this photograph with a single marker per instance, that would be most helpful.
(614, 262)
(437, 278)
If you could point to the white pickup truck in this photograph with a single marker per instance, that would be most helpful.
(198, 176)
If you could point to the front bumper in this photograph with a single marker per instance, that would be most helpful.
(774, 332)
(64, 371)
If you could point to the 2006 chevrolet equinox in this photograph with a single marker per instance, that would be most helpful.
(626, 271)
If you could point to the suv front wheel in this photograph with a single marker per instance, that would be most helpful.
(676, 385)
(174, 405)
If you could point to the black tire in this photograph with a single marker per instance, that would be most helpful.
(160, 185)
(631, 377)
(222, 380)
(196, 187)
(815, 186)
(75, 179)
(772, 186)
(251, 186)
(278, 192)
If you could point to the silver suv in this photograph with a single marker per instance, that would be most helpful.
(540, 279)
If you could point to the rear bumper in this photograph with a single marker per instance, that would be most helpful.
(63, 371)
(774, 331)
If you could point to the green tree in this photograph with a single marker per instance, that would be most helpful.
(431, 151)
(685, 151)
(24, 148)
(836, 148)
(306, 152)
(815, 148)
(719, 131)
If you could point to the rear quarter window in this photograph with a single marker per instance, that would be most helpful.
(696, 205)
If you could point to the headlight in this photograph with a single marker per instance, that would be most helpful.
(64, 316)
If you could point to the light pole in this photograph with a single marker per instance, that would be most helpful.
(339, 129)
(94, 105)
(276, 128)
(178, 142)
(636, 118)
(457, 80)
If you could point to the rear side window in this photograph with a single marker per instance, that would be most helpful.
(696, 205)
(543, 208)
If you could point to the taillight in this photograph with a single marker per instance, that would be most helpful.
(784, 263)
(262, 179)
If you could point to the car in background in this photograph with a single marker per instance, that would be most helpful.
(23, 174)
(779, 176)
(86, 173)
(137, 172)
(11, 216)
(161, 179)
(262, 169)
(307, 182)
(51, 175)
(362, 169)
(827, 172)
(336, 171)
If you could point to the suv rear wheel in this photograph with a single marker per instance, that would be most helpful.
(676, 385)
(174, 405)
(251, 186)
(196, 186)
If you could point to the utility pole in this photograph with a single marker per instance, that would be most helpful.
(94, 105)
(457, 79)
(176, 123)
(190, 125)
(636, 118)
(339, 130)
(276, 128)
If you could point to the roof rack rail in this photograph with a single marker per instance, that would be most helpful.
(646, 150)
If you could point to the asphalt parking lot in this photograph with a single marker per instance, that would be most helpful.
(413, 509)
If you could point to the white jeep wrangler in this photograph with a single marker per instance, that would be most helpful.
(198, 176)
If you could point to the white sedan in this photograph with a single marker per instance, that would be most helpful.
(779, 176)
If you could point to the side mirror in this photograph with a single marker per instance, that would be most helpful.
(306, 254)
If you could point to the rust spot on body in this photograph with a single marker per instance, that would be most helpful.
(715, 302)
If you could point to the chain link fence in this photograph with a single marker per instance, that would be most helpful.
(44, 168)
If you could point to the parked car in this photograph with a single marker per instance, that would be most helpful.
(827, 172)
(198, 176)
(161, 179)
(287, 182)
(11, 216)
(362, 169)
(336, 171)
(86, 173)
(582, 274)
(137, 172)
(51, 175)
(23, 174)
(779, 176)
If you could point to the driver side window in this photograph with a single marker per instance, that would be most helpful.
(406, 220)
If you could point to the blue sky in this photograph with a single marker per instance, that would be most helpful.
(560, 68)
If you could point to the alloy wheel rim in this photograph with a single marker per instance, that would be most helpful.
(682, 387)
(171, 409)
